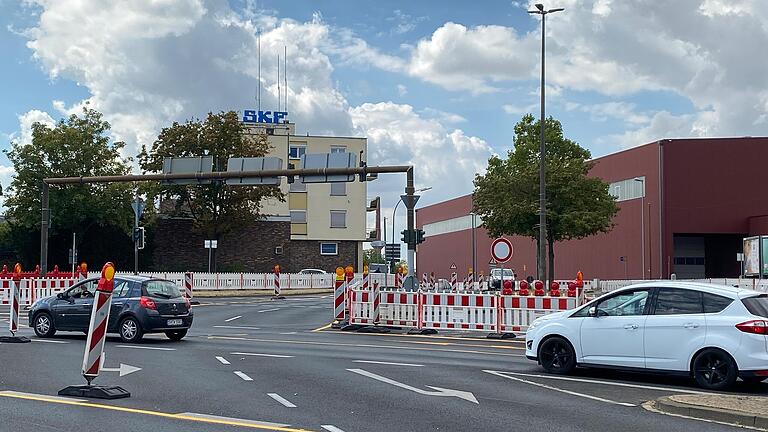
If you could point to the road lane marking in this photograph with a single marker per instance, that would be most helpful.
(50, 341)
(243, 376)
(437, 391)
(288, 333)
(331, 428)
(651, 406)
(591, 381)
(233, 318)
(33, 395)
(145, 347)
(322, 328)
(366, 346)
(262, 355)
(411, 336)
(180, 416)
(268, 310)
(386, 363)
(549, 387)
(222, 360)
(237, 327)
(282, 400)
(232, 419)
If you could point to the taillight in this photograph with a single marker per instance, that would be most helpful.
(148, 303)
(754, 326)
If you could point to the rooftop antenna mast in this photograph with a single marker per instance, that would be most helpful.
(285, 75)
(279, 93)
(258, 56)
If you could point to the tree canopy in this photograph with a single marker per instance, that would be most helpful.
(215, 208)
(507, 195)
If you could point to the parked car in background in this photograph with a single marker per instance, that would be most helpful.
(494, 278)
(140, 305)
(712, 333)
(312, 271)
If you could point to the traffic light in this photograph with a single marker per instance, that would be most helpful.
(291, 178)
(363, 175)
(419, 236)
(406, 238)
(138, 237)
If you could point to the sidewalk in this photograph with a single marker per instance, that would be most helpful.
(743, 410)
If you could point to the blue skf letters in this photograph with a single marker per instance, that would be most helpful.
(253, 116)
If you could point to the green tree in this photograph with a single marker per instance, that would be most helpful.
(76, 146)
(507, 195)
(372, 256)
(216, 208)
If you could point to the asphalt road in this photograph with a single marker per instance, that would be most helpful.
(256, 363)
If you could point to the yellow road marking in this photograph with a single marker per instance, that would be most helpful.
(42, 398)
(365, 346)
(322, 328)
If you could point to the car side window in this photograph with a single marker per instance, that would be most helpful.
(678, 301)
(714, 303)
(122, 288)
(627, 303)
(85, 290)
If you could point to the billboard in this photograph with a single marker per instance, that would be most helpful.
(752, 256)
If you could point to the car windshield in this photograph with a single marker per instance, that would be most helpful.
(757, 305)
(161, 288)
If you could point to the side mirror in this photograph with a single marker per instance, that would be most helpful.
(60, 295)
(592, 311)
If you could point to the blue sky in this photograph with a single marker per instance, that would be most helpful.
(439, 84)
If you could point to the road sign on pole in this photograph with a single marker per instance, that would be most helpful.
(502, 250)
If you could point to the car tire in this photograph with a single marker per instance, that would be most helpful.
(43, 325)
(714, 369)
(176, 335)
(130, 330)
(557, 356)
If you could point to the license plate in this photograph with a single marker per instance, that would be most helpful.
(175, 322)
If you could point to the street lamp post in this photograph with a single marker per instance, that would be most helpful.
(642, 223)
(542, 260)
(393, 217)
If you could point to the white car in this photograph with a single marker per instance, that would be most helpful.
(712, 333)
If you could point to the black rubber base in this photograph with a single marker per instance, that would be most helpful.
(351, 327)
(278, 297)
(426, 331)
(14, 339)
(373, 329)
(501, 336)
(95, 392)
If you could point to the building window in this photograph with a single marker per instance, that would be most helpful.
(628, 189)
(338, 218)
(329, 248)
(338, 189)
(297, 186)
(298, 216)
(296, 152)
(338, 149)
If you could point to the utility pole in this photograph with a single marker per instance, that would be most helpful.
(541, 255)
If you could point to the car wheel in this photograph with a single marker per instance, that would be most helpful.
(714, 369)
(44, 327)
(130, 330)
(176, 335)
(557, 356)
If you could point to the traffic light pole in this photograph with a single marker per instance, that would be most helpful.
(135, 239)
(223, 175)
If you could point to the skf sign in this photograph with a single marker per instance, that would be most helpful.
(253, 116)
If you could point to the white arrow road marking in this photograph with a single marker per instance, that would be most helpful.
(285, 402)
(233, 318)
(573, 393)
(124, 369)
(439, 391)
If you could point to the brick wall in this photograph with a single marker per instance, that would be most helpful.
(177, 247)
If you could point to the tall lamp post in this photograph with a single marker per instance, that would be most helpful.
(641, 180)
(542, 260)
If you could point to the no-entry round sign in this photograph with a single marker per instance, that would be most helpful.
(502, 250)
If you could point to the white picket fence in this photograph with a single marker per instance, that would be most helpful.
(604, 286)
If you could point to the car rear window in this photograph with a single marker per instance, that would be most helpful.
(714, 303)
(757, 305)
(161, 288)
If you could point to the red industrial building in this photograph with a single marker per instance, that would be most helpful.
(685, 205)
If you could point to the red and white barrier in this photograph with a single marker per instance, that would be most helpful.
(339, 299)
(454, 282)
(32, 289)
(14, 319)
(189, 283)
(97, 330)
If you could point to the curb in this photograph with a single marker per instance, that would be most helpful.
(667, 405)
(257, 293)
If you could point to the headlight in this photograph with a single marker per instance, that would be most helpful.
(533, 325)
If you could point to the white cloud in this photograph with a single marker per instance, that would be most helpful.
(402, 90)
(444, 159)
(26, 121)
(601, 112)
